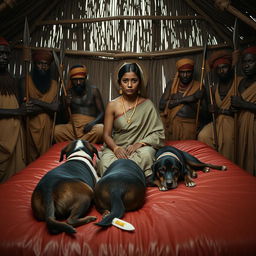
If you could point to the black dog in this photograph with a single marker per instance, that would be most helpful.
(66, 192)
(121, 188)
(172, 165)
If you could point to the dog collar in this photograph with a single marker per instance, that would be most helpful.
(82, 156)
(168, 154)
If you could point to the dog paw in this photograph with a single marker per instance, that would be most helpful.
(163, 188)
(105, 213)
(224, 168)
(194, 175)
(190, 184)
(206, 169)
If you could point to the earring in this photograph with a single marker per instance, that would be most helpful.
(139, 92)
(120, 91)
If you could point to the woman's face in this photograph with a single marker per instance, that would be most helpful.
(130, 83)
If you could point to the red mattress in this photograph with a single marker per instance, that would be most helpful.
(217, 217)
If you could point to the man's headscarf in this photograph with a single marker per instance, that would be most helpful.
(251, 49)
(77, 71)
(220, 57)
(39, 55)
(185, 64)
(3, 41)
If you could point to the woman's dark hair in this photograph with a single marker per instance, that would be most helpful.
(129, 67)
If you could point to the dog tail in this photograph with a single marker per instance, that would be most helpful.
(55, 226)
(117, 208)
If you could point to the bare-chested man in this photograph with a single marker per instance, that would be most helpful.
(87, 110)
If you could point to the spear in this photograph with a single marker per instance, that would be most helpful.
(235, 43)
(27, 60)
(62, 87)
(201, 83)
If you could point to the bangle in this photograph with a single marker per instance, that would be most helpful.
(115, 149)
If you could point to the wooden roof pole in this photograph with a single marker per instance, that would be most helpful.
(125, 55)
(210, 21)
(111, 18)
(225, 5)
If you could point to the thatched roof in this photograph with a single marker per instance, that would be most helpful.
(114, 25)
(99, 33)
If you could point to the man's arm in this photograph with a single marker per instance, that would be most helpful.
(15, 112)
(36, 106)
(238, 103)
(100, 110)
(165, 97)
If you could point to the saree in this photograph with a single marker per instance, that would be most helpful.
(145, 127)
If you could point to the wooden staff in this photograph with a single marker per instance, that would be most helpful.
(235, 39)
(27, 60)
(59, 89)
(215, 135)
(201, 84)
(62, 87)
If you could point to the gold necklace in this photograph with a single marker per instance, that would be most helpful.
(129, 119)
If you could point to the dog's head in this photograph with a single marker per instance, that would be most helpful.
(166, 172)
(76, 146)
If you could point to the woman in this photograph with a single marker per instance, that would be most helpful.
(132, 126)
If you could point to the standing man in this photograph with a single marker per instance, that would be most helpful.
(245, 104)
(221, 63)
(87, 110)
(178, 104)
(12, 143)
(41, 104)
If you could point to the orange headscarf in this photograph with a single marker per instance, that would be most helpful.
(185, 64)
(78, 71)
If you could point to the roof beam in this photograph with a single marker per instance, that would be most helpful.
(225, 5)
(210, 21)
(92, 20)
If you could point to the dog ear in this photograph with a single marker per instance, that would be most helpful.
(64, 152)
(154, 169)
(93, 149)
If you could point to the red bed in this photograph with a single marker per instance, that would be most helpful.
(217, 217)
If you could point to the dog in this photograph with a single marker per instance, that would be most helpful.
(66, 192)
(121, 188)
(172, 165)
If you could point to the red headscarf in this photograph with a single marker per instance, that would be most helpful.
(3, 41)
(251, 50)
(39, 55)
(220, 57)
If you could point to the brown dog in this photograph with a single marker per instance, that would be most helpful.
(66, 192)
(122, 188)
(172, 165)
